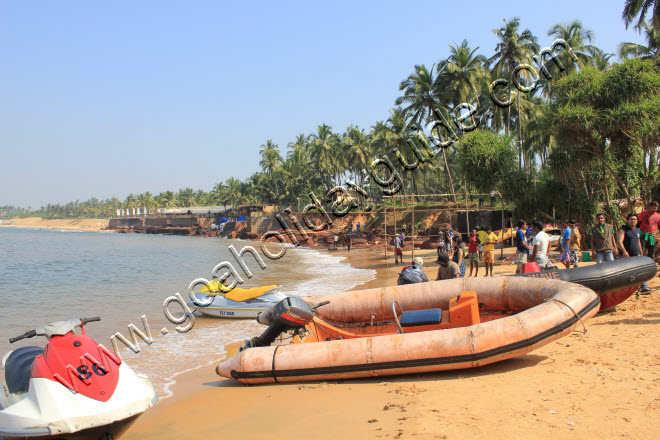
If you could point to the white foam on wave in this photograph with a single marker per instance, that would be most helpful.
(174, 354)
(328, 274)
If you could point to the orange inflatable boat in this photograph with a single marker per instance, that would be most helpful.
(414, 328)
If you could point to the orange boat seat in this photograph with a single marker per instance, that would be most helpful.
(414, 318)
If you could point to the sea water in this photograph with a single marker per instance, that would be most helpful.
(48, 275)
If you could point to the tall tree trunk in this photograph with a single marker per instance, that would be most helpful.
(451, 183)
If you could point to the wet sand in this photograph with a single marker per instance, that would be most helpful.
(602, 384)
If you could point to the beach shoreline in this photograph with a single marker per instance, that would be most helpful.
(600, 384)
(88, 224)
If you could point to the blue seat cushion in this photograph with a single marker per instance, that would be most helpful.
(413, 318)
(18, 366)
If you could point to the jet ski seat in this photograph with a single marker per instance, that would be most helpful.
(18, 366)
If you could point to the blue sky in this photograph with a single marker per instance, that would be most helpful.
(101, 99)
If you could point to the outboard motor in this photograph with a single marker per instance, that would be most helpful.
(411, 275)
(289, 314)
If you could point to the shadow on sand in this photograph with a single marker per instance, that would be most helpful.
(517, 363)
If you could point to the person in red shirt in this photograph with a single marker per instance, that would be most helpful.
(648, 226)
(473, 254)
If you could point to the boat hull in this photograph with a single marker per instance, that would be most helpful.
(541, 311)
(614, 281)
(220, 307)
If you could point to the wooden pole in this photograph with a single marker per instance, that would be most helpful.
(503, 226)
(412, 226)
(385, 234)
(394, 204)
(467, 209)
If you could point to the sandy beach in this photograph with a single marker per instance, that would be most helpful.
(602, 384)
(88, 224)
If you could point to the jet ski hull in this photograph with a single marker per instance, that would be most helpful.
(50, 409)
(221, 307)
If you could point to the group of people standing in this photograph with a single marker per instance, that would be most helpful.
(635, 238)
(481, 244)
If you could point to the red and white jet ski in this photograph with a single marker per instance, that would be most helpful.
(72, 385)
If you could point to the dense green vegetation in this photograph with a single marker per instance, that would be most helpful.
(567, 134)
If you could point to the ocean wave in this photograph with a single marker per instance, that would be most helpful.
(203, 346)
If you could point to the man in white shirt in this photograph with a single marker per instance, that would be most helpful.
(398, 252)
(540, 245)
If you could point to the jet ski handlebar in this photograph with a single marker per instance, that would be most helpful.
(60, 327)
(29, 334)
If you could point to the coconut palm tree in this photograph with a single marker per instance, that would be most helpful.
(578, 39)
(420, 93)
(463, 73)
(167, 199)
(513, 49)
(130, 202)
(357, 151)
(634, 50)
(635, 8)
(234, 195)
(187, 197)
(270, 157)
(146, 200)
(600, 59)
(324, 154)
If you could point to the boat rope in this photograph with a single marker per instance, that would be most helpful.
(326, 332)
(571, 308)
(273, 365)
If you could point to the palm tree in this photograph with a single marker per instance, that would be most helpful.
(324, 153)
(634, 50)
(577, 37)
(187, 197)
(514, 48)
(420, 92)
(270, 157)
(146, 200)
(219, 194)
(633, 8)
(463, 73)
(234, 195)
(168, 199)
(600, 59)
(357, 151)
(129, 202)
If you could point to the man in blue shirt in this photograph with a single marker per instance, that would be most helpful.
(565, 256)
(522, 248)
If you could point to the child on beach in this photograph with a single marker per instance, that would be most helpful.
(473, 255)
(489, 250)
(481, 235)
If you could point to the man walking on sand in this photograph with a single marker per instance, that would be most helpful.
(603, 245)
(540, 245)
(489, 250)
(398, 253)
(629, 243)
(336, 240)
(649, 220)
(574, 246)
(522, 248)
(473, 254)
(565, 256)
